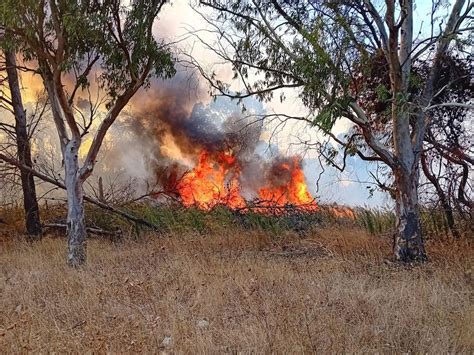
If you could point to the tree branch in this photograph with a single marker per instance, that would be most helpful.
(59, 184)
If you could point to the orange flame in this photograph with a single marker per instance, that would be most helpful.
(215, 181)
(292, 190)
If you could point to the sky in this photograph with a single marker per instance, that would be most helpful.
(348, 188)
(351, 187)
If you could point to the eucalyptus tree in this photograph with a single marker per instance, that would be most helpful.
(11, 100)
(447, 155)
(322, 49)
(71, 42)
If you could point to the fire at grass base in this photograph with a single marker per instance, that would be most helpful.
(215, 181)
(212, 154)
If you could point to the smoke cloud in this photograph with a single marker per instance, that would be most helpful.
(175, 124)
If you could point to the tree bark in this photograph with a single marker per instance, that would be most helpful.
(408, 243)
(76, 227)
(30, 202)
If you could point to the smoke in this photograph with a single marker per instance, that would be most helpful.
(174, 124)
(173, 116)
(163, 132)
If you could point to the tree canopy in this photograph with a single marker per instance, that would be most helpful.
(361, 60)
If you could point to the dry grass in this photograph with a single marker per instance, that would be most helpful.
(238, 292)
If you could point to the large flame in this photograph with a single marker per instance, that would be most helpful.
(288, 187)
(215, 181)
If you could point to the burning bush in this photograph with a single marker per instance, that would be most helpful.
(210, 156)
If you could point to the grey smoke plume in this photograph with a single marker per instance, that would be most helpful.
(170, 114)
(162, 134)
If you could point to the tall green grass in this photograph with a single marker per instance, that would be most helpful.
(433, 221)
(375, 221)
(174, 219)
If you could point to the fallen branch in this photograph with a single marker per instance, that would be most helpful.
(92, 230)
(59, 184)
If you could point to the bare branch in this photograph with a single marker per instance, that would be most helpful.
(59, 184)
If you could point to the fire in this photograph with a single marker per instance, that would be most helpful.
(342, 212)
(215, 181)
(288, 187)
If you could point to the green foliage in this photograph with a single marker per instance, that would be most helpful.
(70, 34)
(376, 221)
(141, 52)
(312, 48)
(327, 116)
(383, 93)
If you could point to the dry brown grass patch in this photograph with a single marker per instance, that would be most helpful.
(235, 292)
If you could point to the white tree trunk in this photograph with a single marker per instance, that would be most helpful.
(76, 229)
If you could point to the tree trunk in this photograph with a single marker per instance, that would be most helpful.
(30, 202)
(408, 239)
(76, 228)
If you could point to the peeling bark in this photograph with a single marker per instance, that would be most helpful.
(408, 243)
(76, 227)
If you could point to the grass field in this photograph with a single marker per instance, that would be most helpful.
(236, 289)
